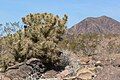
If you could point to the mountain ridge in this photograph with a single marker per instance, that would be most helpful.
(99, 25)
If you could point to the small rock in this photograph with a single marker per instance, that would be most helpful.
(84, 60)
(27, 69)
(6, 78)
(116, 63)
(98, 63)
(85, 76)
(16, 74)
(36, 64)
(50, 79)
(63, 74)
(49, 74)
(3, 77)
(86, 73)
(70, 78)
(31, 60)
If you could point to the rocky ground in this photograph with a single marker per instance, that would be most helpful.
(96, 67)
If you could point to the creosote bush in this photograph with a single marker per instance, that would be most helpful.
(83, 43)
(39, 39)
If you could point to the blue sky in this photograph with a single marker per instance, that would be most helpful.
(77, 10)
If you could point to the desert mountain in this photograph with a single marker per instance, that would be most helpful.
(100, 25)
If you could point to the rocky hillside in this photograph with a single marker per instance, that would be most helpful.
(92, 34)
(82, 56)
(100, 25)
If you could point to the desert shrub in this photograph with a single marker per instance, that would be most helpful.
(8, 43)
(113, 45)
(39, 39)
(45, 31)
(92, 43)
(64, 59)
(64, 44)
(85, 43)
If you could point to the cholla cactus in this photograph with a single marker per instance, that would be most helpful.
(45, 31)
(39, 39)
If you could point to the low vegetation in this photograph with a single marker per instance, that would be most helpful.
(91, 44)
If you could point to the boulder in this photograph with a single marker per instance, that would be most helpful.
(16, 74)
(32, 67)
(36, 64)
(85, 73)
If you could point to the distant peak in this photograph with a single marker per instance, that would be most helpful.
(98, 18)
(103, 16)
(89, 18)
(95, 18)
(102, 25)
